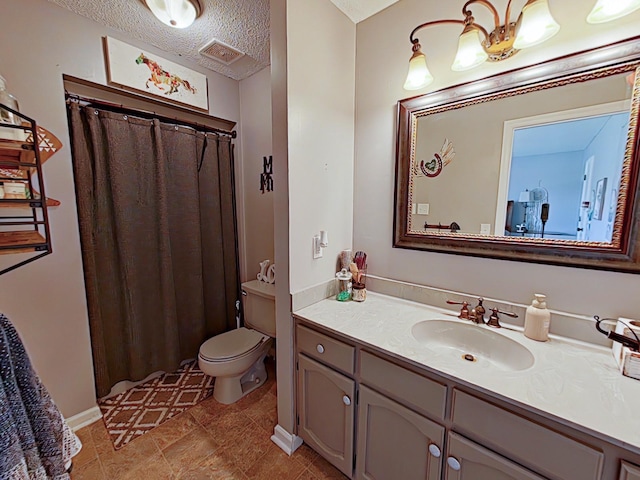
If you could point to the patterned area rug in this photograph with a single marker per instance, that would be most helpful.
(136, 411)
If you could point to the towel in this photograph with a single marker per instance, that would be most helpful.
(35, 441)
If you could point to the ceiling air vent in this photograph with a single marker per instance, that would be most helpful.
(221, 52)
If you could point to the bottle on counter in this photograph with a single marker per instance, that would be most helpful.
(537, 319)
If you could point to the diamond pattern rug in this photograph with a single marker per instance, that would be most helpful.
(133, 413)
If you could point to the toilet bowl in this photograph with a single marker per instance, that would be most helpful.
(236, 358)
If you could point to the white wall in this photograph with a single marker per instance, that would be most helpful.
(255, 137)
(46, 299)
(321, 69)
(383, 51)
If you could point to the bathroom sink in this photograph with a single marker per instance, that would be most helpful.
(473, 343)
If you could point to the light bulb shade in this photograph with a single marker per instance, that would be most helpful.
(535, 25)
(606, 10)
(175, 13)
(419, 75)
(470, 52)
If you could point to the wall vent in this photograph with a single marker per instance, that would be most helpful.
(221, 52)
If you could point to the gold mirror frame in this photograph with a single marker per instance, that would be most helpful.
(622, 254)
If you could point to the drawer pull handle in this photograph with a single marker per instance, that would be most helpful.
(320, 348)
(434, 450)
(453, 463)
(346, 400)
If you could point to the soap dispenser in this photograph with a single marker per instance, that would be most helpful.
(537, 319)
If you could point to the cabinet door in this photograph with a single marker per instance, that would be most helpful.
(629, 472)
(326, 402)
(395, 442)
(469, 461)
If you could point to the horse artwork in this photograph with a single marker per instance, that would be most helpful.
(132, 68)
(161, 78)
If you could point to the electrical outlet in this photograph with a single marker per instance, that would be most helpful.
(423, 209)
(485, 229)
(317, 248)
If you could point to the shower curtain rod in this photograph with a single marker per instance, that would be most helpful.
(119, 108)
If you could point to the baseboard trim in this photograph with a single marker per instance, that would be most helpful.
(286, 441)
(85, 418)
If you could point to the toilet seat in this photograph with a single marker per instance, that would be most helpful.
(231, 345)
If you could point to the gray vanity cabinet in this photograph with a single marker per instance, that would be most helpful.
(629, 472)
(395, 442)
(326, 403)
(467, 460)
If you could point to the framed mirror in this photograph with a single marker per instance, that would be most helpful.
(539, 164)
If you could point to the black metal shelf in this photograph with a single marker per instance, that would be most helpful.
(23, 156)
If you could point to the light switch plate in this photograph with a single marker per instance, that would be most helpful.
(317, 249)
(423, 209)
(485, 229)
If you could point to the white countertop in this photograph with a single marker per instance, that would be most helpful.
(578, 384)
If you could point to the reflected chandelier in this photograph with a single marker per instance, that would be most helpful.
(476, 45)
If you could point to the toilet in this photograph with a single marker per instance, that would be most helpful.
(236, 358)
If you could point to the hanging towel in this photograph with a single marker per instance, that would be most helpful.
(35, 441)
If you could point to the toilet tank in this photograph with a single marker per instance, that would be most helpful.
(259, 302)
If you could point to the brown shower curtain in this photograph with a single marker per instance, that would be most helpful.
(159, 247)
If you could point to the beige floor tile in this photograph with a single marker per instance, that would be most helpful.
(88, 452)
(219, 466)
(173, 430)
(89, 471)
(209, 410)
(323, 470)
(275, 464)
(228, 425)
(189, 451)
(305, 455)
(249, 447)
(119, 463)
(306, 475)
(153, 468)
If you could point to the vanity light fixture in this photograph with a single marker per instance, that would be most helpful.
(476, 45)
(606, 10)
(175, 13)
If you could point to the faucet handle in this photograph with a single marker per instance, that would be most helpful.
(464, 311)
(494, 320)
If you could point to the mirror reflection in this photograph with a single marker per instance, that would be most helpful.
(545, 163)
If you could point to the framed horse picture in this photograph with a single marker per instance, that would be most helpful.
(134, 69)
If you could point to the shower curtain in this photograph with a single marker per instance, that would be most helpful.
(158, 233)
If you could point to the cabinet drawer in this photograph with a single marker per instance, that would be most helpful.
(629, 471)
(326, 349)
(528, 443)
(420, 393)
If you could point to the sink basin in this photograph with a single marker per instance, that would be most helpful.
(472, 343)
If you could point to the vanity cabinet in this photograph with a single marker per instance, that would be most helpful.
(629, 471)
(326, 398)
(375, 415)
(467, 460)
(395, 442)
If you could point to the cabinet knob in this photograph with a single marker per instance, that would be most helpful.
(320, 348)
(453, 463)
(346, 400)
(434, 450)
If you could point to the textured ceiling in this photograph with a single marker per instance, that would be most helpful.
(242, 24)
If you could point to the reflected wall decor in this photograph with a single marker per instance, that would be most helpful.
(601, 190)
(135, 69)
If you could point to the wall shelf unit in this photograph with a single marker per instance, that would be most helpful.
(24, 220)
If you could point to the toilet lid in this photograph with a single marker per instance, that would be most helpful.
(231, 344)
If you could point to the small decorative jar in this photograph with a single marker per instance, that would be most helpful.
(358, 292)
(344, 285)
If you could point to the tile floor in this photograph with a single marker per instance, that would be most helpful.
(208, 441)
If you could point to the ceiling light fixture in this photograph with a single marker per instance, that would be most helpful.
(476, 45)
(175, 13)
(606, 10)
